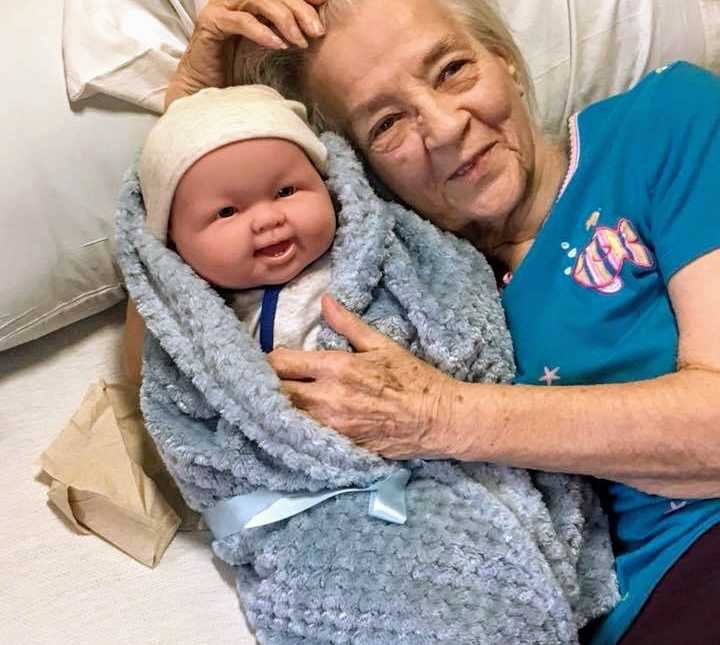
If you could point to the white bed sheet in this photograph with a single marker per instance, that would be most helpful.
(57, 587)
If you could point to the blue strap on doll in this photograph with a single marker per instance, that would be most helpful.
(267, 317)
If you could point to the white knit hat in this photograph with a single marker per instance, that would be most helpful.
(196, 125)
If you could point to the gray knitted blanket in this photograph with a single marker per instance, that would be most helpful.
(488, 554)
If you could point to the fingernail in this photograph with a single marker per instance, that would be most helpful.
(318, 29)
(300, 39)
(279, 43)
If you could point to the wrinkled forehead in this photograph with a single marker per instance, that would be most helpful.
(335, 11)
(371, 45)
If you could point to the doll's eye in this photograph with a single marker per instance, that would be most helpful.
(286, 191)
(228, 211)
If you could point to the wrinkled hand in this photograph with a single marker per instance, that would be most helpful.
(294, 20)
(382, 397)
(269, 23)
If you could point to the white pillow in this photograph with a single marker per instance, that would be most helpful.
(581, 51)
(578, 51)
(125, 48)
(60, 171)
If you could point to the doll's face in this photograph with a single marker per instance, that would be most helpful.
(252, 213)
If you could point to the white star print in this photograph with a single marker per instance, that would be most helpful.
(676, 506)
(550, 375)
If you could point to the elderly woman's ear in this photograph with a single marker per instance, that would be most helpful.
(511, 66)
(512, 70)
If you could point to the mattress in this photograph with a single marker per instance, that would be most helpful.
(58, 587)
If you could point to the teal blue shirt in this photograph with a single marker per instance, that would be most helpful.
(589, 304)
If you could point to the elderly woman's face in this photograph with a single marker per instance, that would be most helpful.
(439, 117)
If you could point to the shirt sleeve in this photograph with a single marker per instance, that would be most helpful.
(684, 182)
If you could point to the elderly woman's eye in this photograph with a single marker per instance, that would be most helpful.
(227, 211)
(286, 191)
(452, 69)
(383, 126)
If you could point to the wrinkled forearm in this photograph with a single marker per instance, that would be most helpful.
(176, 90)
(204, 64)
(661, 436)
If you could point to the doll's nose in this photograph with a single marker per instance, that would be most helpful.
(266, 218)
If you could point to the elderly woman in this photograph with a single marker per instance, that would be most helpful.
(610, 244)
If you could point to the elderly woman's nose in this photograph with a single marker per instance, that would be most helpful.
(441, 124)
(266, 217)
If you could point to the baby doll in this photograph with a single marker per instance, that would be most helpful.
(232, 180)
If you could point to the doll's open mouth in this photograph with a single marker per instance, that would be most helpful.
(276, 251)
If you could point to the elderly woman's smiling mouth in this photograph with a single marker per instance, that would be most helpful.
(475, 166)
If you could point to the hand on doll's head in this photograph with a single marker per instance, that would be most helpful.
(252, 213)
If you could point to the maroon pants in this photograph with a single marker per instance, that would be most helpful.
(684, 608)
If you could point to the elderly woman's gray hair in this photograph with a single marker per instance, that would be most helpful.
(284, 70)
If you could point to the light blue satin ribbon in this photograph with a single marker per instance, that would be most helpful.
(263, 507)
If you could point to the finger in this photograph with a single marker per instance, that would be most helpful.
(281, 18)
(312, 398)
(307, 17)
(361, 336)
(300, 394)
(245, 24)
(296, 365)
(307, 397)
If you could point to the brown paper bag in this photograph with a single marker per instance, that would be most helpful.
(109, 478)
(126, 406)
